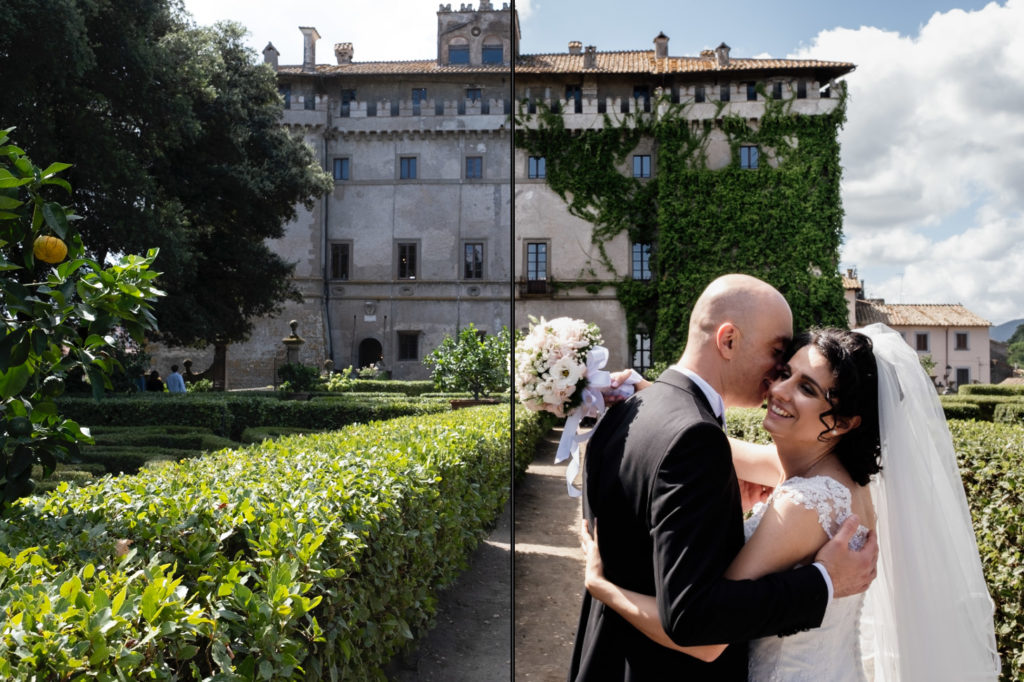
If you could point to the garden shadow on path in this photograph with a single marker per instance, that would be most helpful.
(473, 638)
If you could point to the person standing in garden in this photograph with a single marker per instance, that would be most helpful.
(175, 382)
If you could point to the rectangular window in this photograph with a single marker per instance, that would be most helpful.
(309, 102)
(474, 167)
(341, 169)
(641, 165)
(473, 94)
(473, 260)
(419, 95)
(492, 54)
(286, 94)
(407, 168)
(698, 94)
(777, 90)
(458, 54)
(408, 345)
(406, 260)
(961, 341)
(574, 98)
(921, 341)
(536, 168)
(723, 93)
(347, 97)
(642, 260)
(751, 92)
(340, 260)
(642, 352)
(643, 94)
(963, 376)
(801, 90)
(536, 267)
(748, 157)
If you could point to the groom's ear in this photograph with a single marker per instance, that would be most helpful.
(725, 339)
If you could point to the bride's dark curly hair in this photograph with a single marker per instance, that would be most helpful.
(855, 393)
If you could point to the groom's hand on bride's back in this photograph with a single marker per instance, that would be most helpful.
(850, 570)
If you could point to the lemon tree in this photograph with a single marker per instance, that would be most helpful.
(54, 317)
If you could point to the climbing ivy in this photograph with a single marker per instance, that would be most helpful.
(781, 222)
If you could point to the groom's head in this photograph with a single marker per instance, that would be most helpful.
(739, 329)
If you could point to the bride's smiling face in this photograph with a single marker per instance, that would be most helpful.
(798, 398)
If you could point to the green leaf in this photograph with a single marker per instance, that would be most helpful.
(7, 203)
(55, 218)
(55, 167)
(13, 380)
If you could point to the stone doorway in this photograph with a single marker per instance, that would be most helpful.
(370, 351)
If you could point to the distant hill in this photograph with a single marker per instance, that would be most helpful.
(1005, 330)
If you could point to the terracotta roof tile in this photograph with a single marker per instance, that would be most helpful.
(628, 61)
(917, 315)
(851, 282)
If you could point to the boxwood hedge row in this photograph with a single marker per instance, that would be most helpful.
(989, 456)
(991, 389)
(310, 557)
(230, 415)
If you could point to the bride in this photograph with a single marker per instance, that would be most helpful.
(848, 408)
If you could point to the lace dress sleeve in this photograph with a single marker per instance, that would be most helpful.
(829, 498)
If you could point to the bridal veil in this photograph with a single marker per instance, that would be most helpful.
(928, 615)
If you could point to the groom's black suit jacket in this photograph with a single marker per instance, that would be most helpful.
(658, 477)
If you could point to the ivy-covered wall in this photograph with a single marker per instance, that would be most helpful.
(781, 222)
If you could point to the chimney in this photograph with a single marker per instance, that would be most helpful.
(590, 57)
(661, 46)
(344, 52)
(575, 47)
(722, 54)
(309, 38)
(270, 55)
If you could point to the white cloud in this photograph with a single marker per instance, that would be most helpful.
(933, 175)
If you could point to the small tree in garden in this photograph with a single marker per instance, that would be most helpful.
(59, 312)
(472, 362)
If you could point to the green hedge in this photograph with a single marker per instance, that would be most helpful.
(991, 389)
(989, 457)
(314, 557)
(960, 410)
(230, 416)
(1009, 413)
(987, 404)
(530, 428)
(411, 388)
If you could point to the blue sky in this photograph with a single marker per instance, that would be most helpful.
(933, 183)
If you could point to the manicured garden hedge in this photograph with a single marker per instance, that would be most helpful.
(989, 457)
(229, 415)
(986, 403)
(530, 427)
(1009, 413)
(960, 410)
(991, 389)
(311, 557)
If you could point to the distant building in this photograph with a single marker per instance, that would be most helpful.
(558, 269)
(956, 339)
(414, 241)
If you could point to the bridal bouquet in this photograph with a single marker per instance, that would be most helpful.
(560, 369)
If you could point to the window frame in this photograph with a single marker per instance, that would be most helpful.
(642, 346)
(956, 374)
(487, 54)
(406, 161)
(751, 91)
(801, 89)
(344, 163)
(700, 95)
(642, 259)
(331, 270)
(749, 157)
(777, 90)
(725, 93)
(475, 94)
(476, 160)
(536, 167)
(967, 341)
(401, 348)
(479, 267)
(404, 267)
(918, 338)
(461, 49)
(644, 171)
(527, 265)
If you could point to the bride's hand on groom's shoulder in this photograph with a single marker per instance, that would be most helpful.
(618, 379)
(850, 570)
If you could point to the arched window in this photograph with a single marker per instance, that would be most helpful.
(370, 351)
(458, 51)
(493, 51)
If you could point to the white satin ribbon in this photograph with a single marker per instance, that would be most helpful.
(592, 406)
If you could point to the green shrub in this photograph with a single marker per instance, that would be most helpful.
(991, 389)
(986, 403)
(960, 410)
(1009, 413)
(530, 428)
(314, 557)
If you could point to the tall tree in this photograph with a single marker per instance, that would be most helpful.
(1015, 346)
(178, 144)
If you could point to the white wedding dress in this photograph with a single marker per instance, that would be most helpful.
(830, 653)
